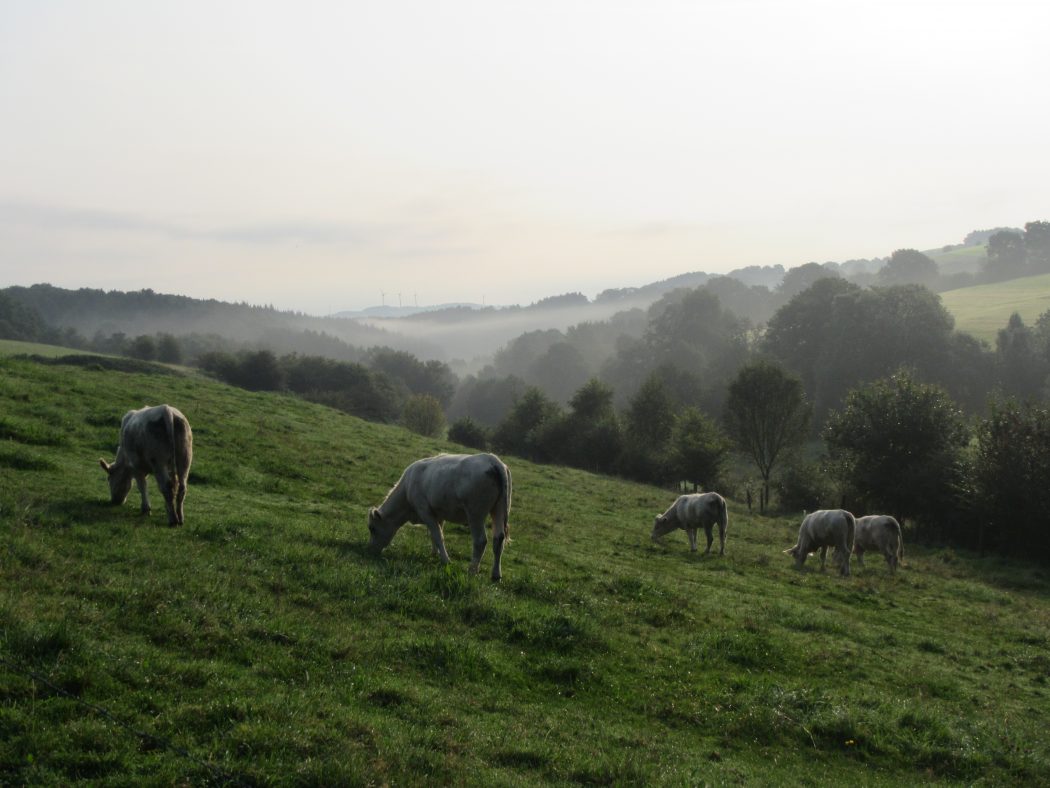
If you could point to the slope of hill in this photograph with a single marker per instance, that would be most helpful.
(261, 643)
(983, 309)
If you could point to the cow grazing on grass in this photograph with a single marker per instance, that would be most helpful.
(690, 512)
(823, 529)
(155, 440)
(881, 533)
(459, 488)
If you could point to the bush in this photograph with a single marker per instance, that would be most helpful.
(423, 415)
(469, 433)
(804, 487)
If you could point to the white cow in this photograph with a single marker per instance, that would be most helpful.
(459, 488)
(690, 512)
(881, 533)
(155, 440)
(823, 529)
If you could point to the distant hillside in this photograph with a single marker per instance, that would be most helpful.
(262, 644)
(983, 309)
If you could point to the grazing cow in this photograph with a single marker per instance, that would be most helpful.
(459, 488)
(823, 529)
(881, 533)
(155, 440)
(689, 512)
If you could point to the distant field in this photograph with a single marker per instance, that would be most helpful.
(983, 309)
(963, 258)
(9, 347)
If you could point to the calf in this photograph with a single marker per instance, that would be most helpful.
(690, 512)
(881, 533)
(823, 529)
(155, 440)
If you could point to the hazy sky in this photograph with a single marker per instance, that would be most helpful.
(313, 155)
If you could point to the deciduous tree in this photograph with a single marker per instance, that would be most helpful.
(766, 414)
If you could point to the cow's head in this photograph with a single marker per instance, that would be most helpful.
(792, 551)
(662, 525)
(380, 532)
(119, 480)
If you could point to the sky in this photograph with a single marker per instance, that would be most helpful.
(324, 156)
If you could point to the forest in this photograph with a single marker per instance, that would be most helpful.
(841, 385)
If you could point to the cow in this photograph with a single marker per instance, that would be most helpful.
(823, 529)
(881, 533)
(690, 512)
(155, 440)
(458, 488)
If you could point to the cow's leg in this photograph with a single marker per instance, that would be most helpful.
(710, 539)
(860, 555)
(477, 534)
(499, 537)
(437, 536)
(823, 556)
(165, 482)
(891, 561)
(844, 563)
(721, 539)
(140, 481)
(691, 533)
(180, 496)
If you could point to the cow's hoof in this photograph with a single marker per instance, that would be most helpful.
(496, 578)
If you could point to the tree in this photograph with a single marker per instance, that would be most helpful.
(1021, 369)
(423, 415)
(766, 414)
(802, 278)
(168, 349)
(1037, 246)
(1011, 470)
(1006, 256)
(590, 436)
(468, 432)
(648, 423)
(898, 446)
(143, 347)
(431, 377)
(259, 371)
(698, 449)
(520, 430)
(559, 372)
(907, 267)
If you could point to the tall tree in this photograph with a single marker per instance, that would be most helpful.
(1021, 368)
(766, 414)
(647, 430)
(698, 449)
(908, 267)
(898, 444)
(1010, 477)
(1037, 246)
(1006, 256)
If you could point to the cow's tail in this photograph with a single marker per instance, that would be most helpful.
(504, 481)
(723, 514)
(900, 542)
(169, 428)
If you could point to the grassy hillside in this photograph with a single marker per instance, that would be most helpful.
(983, 309)
(260, 644)
(959, 259)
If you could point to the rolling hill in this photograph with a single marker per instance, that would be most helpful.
(982, 310)
(261, 644)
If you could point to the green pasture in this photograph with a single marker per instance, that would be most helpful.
(982, 310)
(260, 644)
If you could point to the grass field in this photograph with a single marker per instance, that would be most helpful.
(260, 644)
(984, 309)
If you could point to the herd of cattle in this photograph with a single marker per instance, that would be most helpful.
(469, 489)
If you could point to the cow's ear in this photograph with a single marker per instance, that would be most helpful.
(105, 466)
(373, 514)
